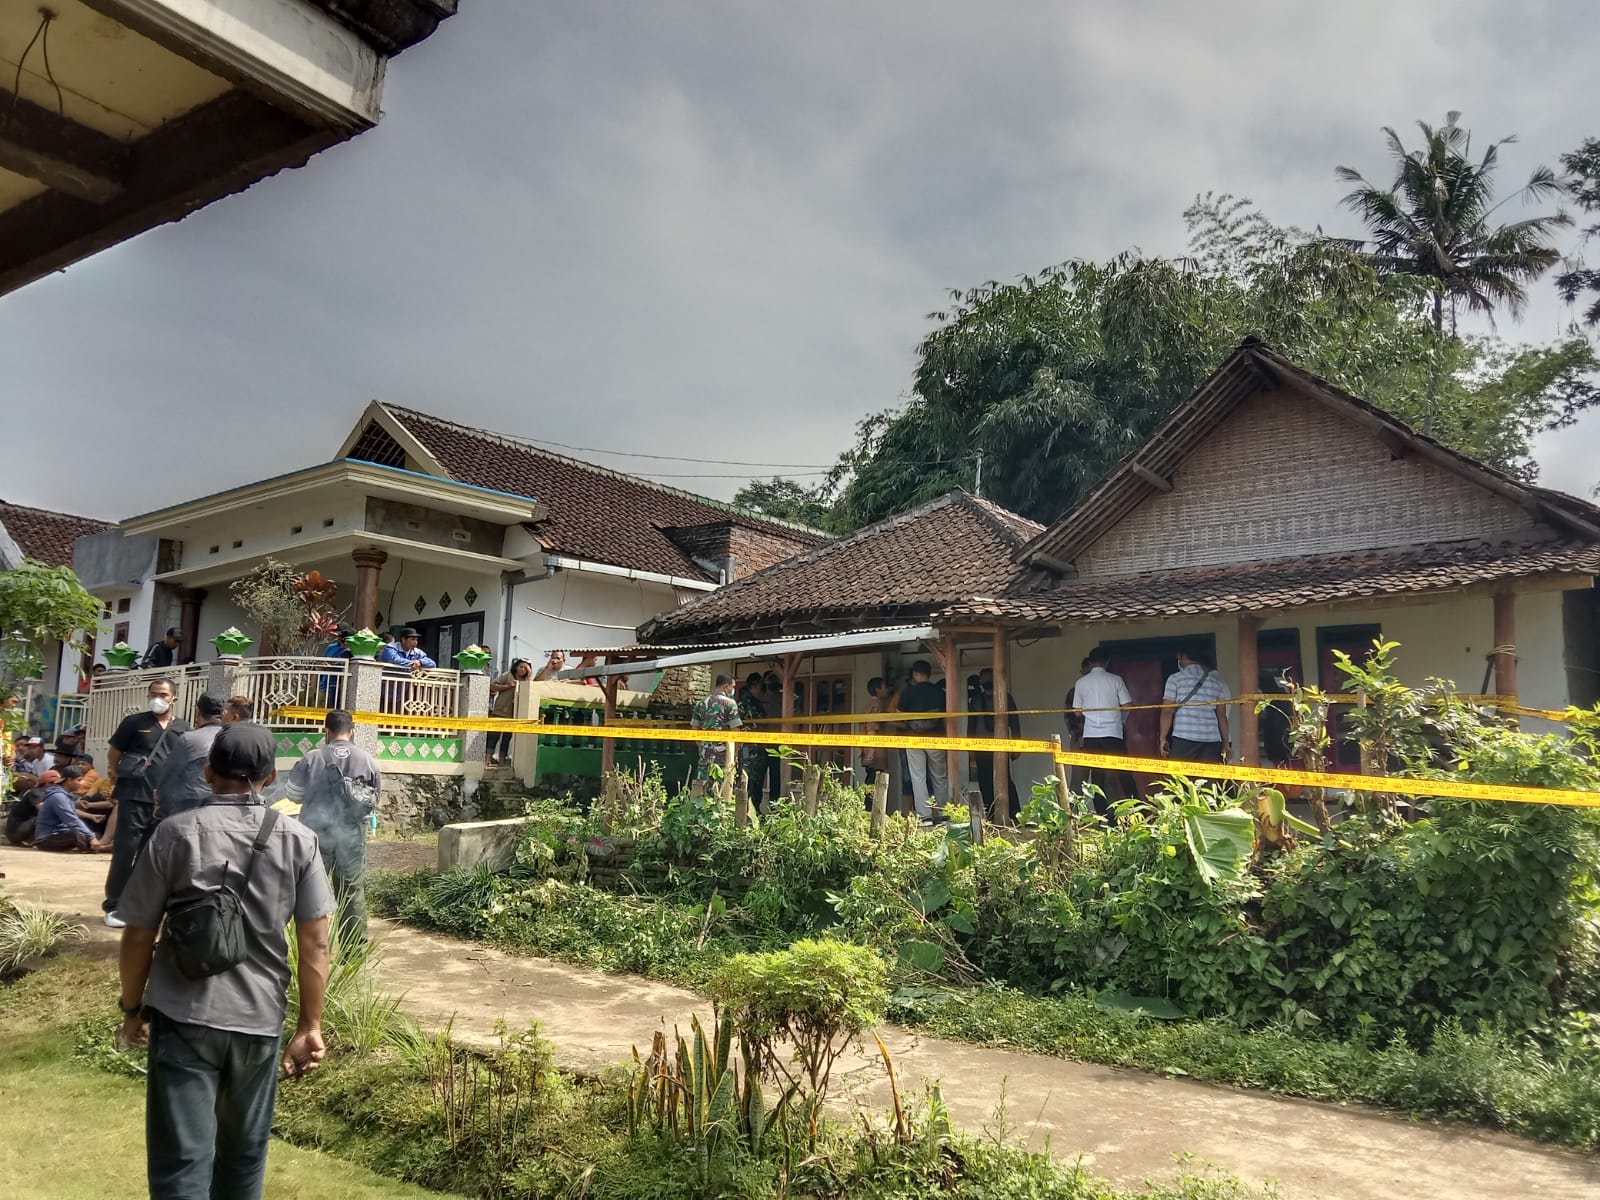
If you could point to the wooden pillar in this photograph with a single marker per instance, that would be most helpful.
(1505, 648)
(369, 562)
(945, 647)
(1002, 728)
(788, 668)
(608, 745)
(189, 623)
(1248, 733)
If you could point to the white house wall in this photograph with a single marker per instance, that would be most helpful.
(267, 531)
(580, 609)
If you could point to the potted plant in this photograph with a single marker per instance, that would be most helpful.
(231, 643)
(121, 656)
(473, 658)
(364, 643)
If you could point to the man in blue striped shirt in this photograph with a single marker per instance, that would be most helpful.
(1197, 729)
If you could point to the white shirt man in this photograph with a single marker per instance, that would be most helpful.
(1099, 694)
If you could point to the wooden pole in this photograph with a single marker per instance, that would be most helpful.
(974, 800)
(788, 668)
(741, 801)
(813, 788)
(730, 759)
(948, 659)
(1002, 728)
(1249, 733)
(608, 747)
(1505, 648)
(1064, 798)
(880, 802)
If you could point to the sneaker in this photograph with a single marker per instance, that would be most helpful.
(115, 922)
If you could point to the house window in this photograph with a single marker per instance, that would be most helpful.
(120, 633)
(123, 605)
(1344, 754)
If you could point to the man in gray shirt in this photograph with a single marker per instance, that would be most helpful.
(337, 785)
(179, 780)
(214, 1041)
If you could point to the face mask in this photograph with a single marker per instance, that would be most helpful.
(159, 705)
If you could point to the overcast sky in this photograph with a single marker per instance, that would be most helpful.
(715, 229)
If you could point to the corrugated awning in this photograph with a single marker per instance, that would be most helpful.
(689, 656)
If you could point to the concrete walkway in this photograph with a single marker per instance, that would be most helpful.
(1126, 1125)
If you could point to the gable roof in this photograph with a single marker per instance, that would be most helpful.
(595, 514)
(947, 550)
(45, 535)
(1255, 367)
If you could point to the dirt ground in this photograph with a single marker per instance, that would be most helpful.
(391, 853)
(1123, 1124)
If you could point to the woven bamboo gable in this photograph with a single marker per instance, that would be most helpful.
(1284, 476)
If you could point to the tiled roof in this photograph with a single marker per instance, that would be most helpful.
(44, 535)
(595, 514)
(912, 564)
(1286, 583)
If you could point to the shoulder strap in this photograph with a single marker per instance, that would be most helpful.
(267, 824)
(1198, 684)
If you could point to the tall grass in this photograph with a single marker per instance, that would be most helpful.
(28, 933)
(357, 1015)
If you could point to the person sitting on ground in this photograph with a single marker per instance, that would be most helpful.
(32, 760)
(95, 810)
(180, 781)
(503, 704)
(238, 708)
(59, 827)
(22, 815)
(407, 653)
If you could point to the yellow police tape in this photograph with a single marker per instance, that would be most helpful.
(654, 731)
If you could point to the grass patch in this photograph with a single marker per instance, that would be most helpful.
(75, 1133)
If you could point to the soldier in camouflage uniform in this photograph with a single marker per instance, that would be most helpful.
(716, 711)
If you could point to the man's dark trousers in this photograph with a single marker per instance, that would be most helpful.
(983, 763)
(1188, 751)
(136, 821)
(345, 858)
(1114, 786)
(208, 1111)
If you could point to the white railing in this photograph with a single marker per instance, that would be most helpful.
(435, 693)
(293, 682)
(118, 694)
(70, 710)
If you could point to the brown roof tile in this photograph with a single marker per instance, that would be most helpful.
(595, 514)
(1287, 583)
(909, 565)
(44, 535)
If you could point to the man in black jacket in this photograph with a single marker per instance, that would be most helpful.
(138, 747)
(165, 652)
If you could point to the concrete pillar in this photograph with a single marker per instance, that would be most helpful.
(189, 600)
(224, 676)
(1505, 647)
(1248, 734)
(366, 695)
(369, 562)
(474, 700)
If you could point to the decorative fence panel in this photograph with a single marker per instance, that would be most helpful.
(294, 682)
(118, 694)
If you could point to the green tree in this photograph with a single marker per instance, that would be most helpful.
(39, 605)
(1435, 222)
(1583, 185)
(784, 500)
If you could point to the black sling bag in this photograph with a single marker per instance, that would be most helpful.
(207, 934)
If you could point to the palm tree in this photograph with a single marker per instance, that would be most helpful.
(1434, 222)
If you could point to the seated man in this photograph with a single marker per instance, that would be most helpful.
(22, 815)
(59, 827)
